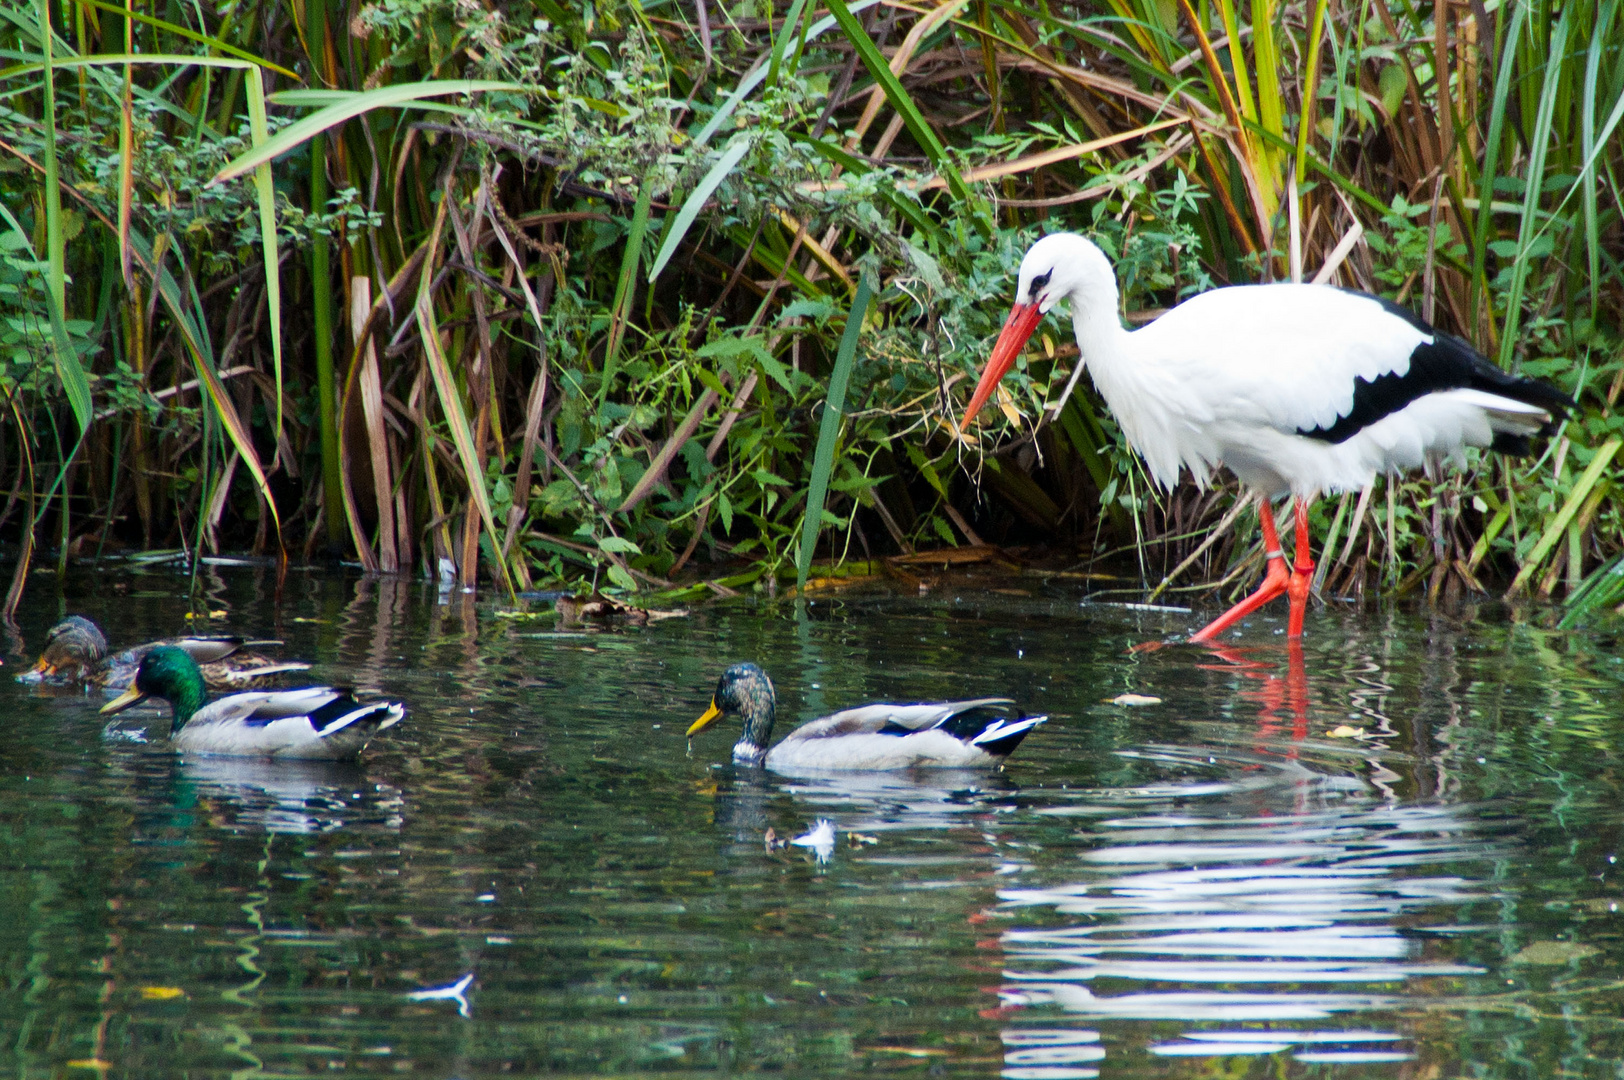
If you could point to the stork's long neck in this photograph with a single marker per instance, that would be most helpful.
(1099, 330)
(1145, 401)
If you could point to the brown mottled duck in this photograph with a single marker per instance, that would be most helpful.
(76, 652)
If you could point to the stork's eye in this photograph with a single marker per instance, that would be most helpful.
(1039, 283)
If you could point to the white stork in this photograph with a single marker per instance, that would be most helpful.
(1298, 389)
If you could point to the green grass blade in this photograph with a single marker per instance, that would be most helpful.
(321, 286)
(696, 202)
(1316, 34)
(620, 311)
(386, 97)
(1588, 144)
(462, 435)
(759, 76)
(1603, 588)
(1559, 524)
(120, 59)
(903, 103)
(1538, 148)
(193, 332)
(69, 371)
(266, 196)
(1491, 151)
(723, 111)
(782, 49)
(190, 35)
(823, 460)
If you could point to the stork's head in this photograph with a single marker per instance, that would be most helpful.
(1059, 266)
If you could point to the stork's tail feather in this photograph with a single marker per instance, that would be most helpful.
(1001, 737)
(1501, 389)
(1541, 395)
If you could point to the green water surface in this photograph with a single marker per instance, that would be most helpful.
(1214, 885)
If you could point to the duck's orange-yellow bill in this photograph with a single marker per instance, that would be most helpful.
(45, 667)
(706, 720)
(132, 696)
(1023, 319)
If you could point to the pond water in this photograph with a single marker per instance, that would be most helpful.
(1211, 885)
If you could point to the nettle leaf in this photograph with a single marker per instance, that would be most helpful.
(724, 509)
(927, 267)
(755, 348)
(764, 478)
(711, 381)
(619, 545)
(816, 310)
(926, 469)
(693, 455)
(858, 485)
(559, 496)
(730, 348)
(776, 371)
(621, 577)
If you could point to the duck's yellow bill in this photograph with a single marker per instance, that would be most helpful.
(132, 696)
(45, 667)
(706, 720)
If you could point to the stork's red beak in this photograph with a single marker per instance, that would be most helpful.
(1023, 319)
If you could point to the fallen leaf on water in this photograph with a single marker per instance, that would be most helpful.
(1554, 953)
(911, 1051)
(89, 1063)
(855, 838)
(1135, 700)
(1343, 731)
(161, 993)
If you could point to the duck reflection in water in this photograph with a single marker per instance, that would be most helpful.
(288, 797)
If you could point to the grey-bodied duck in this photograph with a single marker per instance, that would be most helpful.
(947, 734)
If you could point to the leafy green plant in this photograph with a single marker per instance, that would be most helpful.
(549, 292)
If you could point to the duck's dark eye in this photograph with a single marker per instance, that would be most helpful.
(1039, 283)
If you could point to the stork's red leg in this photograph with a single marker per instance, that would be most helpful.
(1275, 581)
(1302, 572)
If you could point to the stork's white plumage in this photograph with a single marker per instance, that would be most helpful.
(1297, 389)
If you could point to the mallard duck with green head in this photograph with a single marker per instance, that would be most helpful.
(946, 734)
(318, 722)
(76, 651)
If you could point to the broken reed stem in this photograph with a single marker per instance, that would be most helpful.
(1217, 532)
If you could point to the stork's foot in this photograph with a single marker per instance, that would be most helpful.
(1275, 582)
